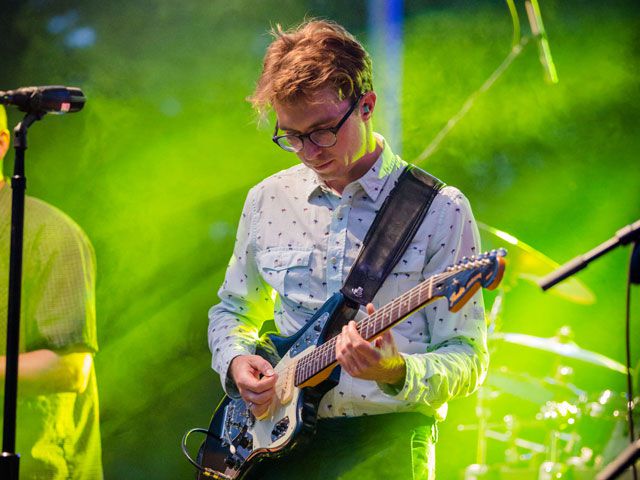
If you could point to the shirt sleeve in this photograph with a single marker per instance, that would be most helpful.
(457, 358)
(245, 302)
(59, 287)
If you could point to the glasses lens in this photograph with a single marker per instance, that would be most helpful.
(290, 143)
(323, 138)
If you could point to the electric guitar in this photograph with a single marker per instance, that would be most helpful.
(237, 442)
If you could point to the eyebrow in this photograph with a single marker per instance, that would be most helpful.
(311, 127)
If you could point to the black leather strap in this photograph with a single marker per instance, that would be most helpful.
(389, 236)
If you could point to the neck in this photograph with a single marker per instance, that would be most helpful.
(361, 166)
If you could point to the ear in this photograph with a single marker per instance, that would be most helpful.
(367, 105)
(4, 144)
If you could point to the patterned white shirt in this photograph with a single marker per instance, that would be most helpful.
(296, 242)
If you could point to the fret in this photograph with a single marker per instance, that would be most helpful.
(326, 354)
(298, 374)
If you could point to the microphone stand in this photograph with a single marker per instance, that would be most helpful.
(9, 459)
(626, 235)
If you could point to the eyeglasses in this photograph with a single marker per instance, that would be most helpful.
(324, 137)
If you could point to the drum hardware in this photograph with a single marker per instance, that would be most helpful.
(527, 387)
(578, 426)
(560, 347)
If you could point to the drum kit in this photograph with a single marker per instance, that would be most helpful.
(537, 424)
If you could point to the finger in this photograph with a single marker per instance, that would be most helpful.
(355, 340)
(358, 365)
(370, 308)
(265, 383)
(343, 343)
(387, 339)
(351, 366)
(262, 366)
(248, 381)
(264, 398)
(353, 334)
(344, 347)
(388, 343)
(366, 355)
(359, 347)
(339, 342)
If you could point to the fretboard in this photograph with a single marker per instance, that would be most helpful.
(369, 327)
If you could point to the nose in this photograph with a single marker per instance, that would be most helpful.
(310, 150)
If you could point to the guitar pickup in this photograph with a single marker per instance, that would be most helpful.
(280, 429)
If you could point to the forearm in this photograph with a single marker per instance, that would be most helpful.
(45, 371)
(230, 335)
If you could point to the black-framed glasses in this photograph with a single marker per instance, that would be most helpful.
(323, 137)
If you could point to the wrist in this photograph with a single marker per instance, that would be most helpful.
(396, 372)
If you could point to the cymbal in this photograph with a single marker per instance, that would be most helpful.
(563, 349)
(528, 387)
(526, 263)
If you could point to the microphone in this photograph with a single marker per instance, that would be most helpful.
(50, 99)
(540, 34)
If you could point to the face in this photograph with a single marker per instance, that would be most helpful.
(336, 165)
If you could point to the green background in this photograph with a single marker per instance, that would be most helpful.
(156, 167)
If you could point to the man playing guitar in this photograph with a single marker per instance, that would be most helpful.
(300, 232)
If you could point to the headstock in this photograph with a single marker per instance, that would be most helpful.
(459, 282)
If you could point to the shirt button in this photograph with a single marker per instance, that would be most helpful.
(333, 260)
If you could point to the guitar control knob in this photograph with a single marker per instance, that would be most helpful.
(231, 461)
(245, 442)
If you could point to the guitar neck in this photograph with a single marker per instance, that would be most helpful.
(371, 326)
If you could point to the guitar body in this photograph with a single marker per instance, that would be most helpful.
(240, 444)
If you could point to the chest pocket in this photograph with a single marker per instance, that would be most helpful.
(408, 271)
(287, 271)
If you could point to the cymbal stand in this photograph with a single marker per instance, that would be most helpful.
(494, 318)
(480, 469)
(552, 468)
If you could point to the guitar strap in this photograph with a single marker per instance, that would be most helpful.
(390, 233)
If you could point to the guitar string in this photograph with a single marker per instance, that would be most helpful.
(407, 298)
(320, 354)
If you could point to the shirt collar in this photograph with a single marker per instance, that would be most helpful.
(372, 182)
